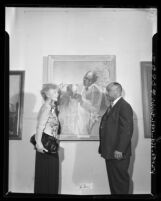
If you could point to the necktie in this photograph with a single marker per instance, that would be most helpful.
(109, 109)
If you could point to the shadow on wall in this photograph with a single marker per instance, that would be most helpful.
(29, 130)
(61, 158)
(20, 180)
(134, 143)
(29, 104)
(133, 147)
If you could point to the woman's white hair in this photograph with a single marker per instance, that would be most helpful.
(46, 88)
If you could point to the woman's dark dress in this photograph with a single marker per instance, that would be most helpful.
(46, 173)
(47, 165)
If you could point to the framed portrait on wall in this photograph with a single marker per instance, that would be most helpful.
(80, 107)
(16, 98)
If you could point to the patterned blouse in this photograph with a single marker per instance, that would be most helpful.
(47, 120)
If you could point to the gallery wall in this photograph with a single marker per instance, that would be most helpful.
(38, 32)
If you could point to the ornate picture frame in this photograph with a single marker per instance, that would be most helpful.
(68, 71)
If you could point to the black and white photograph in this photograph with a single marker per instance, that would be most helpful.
(80, 100)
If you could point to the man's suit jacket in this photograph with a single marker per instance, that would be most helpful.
(116, 130)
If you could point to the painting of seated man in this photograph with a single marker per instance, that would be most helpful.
(81, 107)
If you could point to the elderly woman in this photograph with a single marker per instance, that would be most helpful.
(47, 165)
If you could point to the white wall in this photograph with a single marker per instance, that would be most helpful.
(38, 32)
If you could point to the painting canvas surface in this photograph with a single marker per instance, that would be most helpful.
(80, 121)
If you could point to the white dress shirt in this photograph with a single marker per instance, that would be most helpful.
(115, 101)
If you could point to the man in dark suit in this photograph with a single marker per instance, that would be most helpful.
(116, 130)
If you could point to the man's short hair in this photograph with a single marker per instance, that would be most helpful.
(116, 84)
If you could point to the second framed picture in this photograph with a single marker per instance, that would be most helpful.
(16, 98)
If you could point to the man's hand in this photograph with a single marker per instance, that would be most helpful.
(118, 155)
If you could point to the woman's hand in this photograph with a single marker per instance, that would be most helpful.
(118, 155)
(40, 148)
